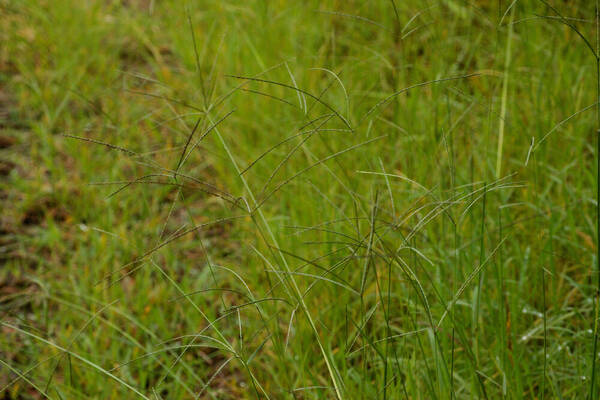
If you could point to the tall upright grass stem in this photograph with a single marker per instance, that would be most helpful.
(507, 57)
(597, 305)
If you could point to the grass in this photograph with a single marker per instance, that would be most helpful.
(303, 200)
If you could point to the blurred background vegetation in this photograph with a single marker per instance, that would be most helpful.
(386, 246)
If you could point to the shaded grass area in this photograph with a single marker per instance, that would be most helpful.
(297, 200)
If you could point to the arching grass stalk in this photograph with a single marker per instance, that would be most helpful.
(595, 51)
(330, 367)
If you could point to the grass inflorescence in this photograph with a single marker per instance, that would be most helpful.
(303, 200)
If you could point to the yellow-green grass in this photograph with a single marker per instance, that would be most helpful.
(297, 200)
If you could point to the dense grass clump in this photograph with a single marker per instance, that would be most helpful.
(299, 200)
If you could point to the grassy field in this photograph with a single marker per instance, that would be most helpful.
(298, 199)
